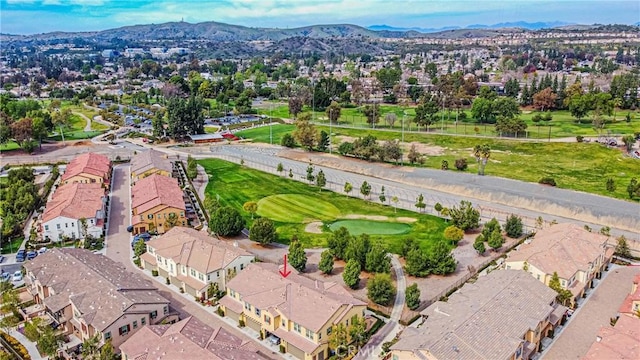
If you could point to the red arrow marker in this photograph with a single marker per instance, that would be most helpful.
(285, 273)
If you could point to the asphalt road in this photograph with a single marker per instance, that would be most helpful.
(496, 197)
(118, 242)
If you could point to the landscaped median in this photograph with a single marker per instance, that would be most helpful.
(296, 207)
(14, 346)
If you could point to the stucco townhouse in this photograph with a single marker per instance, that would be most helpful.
(157, 204)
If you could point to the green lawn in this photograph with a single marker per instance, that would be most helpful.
(357, 227)
(11, 246)
(296, 208)
(562, 125)
(577, 166)
(235, 185)
(11, 145)
(261, 134)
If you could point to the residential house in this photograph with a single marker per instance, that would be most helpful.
(88, 168)
(75, 211)
(620, 340)
(157, 204)
(577, 255)
(193, 260)
(87, 294)
(150, 162)
(503, 315)
(188, 339)
(298, 311)
(631, 304)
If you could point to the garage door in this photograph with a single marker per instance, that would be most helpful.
(252, 324)
(295, 351)
(232, 315)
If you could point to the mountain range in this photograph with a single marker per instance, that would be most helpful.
(516, 24)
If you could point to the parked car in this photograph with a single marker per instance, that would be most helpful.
(274, 340)
(21, 255)
(31, 255)
(5, 276)
(140, 237)
(17, 276)
(42, 250)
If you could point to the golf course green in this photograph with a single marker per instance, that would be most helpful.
(358, 226)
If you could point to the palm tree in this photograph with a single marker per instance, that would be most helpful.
(482, 154)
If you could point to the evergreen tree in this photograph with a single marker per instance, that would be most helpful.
(412, 296)
(495, 240)
(513, 226)
(338, 242)
(321, 180)
(442, 260)
(357, 248)
(326, 262)
(297, 257)
(380, 289)
(351, 273)
(377, 260)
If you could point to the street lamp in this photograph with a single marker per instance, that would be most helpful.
(330, 122)
(443, 100)
(270, 127)
(403, 118)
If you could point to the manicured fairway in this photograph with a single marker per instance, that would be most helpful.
(291, 204)
(295, 208)
(357, 227)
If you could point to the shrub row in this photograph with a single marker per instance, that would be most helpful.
(15, 345)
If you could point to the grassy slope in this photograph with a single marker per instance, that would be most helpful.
(576, 166)
(235, 185)
(296, 208)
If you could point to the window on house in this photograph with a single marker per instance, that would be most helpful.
(184, 223)
(181, 213)
(247, 305)
(257, 311)
(143, 321)
(150, 216)
(165, 309)
(124, 330)
(135, 324)
(74, 224)
(154, 314)
(296, 327)
(329, 330)
(107, 335)
(267, 319)
(91, 221)
(319, 336)
(309, 334)
(46, 227)
(58, 226)
(218, 274)
(184, 269)
(208, 277)
(232, 293)
(241, 267)
(347, 322)
(282, 322)
(66, 225)
(160, 225)
(201, 277)
(193, 273)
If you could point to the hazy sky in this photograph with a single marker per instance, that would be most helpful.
(36, 16)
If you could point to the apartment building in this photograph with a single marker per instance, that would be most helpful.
(298, 312)
(193, 260)
(147, 163)
(503, 315)
(157, 204)
(577, 255)
(88, 168)
(75, 211)
(87, 294)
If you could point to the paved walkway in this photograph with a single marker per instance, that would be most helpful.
(88, 126)
(29, 345)
(602, 305)
(373, 348)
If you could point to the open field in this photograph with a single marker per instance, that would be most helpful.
(236, 185)
(562, 125)
(75, 130)
(295, 208)
(577, 166)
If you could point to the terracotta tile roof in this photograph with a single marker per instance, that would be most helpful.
(310, 303)
(633, 297)
(156, 190)
(563, 248)
(151, 159)
(75, 201)
(484, 320)
(188, 339)
(620, 342)
(89, 163)
(195, 249)
(102, 289)
(298, 341)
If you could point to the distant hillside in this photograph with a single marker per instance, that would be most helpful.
(211, 30)
(517, 24)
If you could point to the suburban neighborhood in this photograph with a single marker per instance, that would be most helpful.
(320, 193)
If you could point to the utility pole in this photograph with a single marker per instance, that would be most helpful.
(403, 117)
(330, 122)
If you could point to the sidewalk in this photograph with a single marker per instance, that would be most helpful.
(30, 346)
